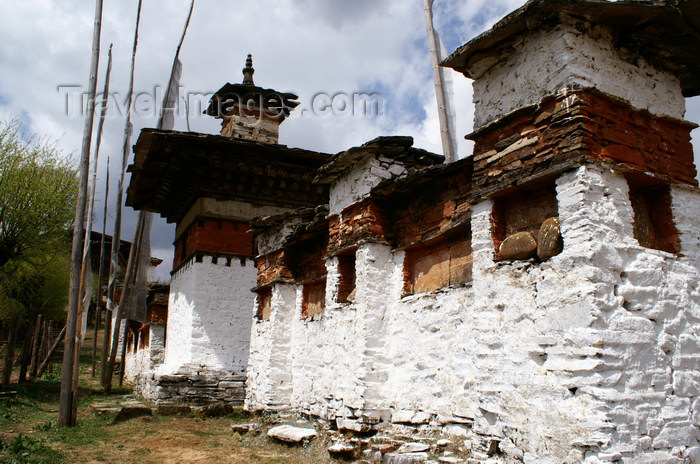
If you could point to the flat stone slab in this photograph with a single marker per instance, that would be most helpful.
(291, 434)
(103, 405)
(352, 425)
(406, 458)
(341, 448)
(450, 460)
(103, 411)
(128, 413)
(384, 447)
(243, 428)
(133, 404)
(413, 447)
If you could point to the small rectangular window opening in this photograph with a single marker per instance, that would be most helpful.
(653, 218)
(313, 299)
(346, 271)
(264, 304)
(447, 263)
(522, 211)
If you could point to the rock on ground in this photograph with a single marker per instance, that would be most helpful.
(243, 428)
(413, 447)
(407, 458)
(341, 448)
(291, 434)
(127, 413)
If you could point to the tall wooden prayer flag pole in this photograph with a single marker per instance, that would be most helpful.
(448, 140)
(116, 236)
(140, 247)
(67, 398)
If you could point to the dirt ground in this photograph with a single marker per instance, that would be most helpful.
(29, 434)
(145, 440)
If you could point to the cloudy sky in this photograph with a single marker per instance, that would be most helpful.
(309, 47)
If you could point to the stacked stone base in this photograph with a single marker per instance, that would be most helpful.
(481, 441)
(193, 386)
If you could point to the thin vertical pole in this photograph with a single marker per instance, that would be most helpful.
(144, 218)
(447, 138)
(116, 237)
(133, 252)
(35, 347)
(65, 414)
(100, 284)
(88, 232)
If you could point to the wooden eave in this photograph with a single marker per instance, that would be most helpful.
(171, 170)
(283, 101)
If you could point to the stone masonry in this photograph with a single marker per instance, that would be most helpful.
(539, 299)
(432, 317)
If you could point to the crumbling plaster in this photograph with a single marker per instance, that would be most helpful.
(359, 181)
(589, 356)
(147, 358)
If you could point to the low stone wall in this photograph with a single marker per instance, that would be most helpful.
(193, 386)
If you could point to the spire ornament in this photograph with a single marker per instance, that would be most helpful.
(248, 71)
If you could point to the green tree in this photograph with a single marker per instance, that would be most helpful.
(38, 191)
(38, 284)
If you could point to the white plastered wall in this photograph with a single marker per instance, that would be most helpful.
(270, 352)
(359, 181)
(549, 61)
(209, 315)
(142, 361)
(591, 356)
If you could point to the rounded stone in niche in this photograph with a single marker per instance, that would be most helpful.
(521, 245)
(549, 239)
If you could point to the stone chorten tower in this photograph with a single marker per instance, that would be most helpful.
(251, 112)
(211, 186)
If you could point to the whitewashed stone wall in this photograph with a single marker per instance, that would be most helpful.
(547, 62)
(590, 357)
(359, 181)
(209, 315)
(270, 372)
(686, 215)
(157, 345)
(120, 343)
(137, 361)
(145, 360)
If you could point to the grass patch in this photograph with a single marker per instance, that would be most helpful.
(29, 433)
(26, 450)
